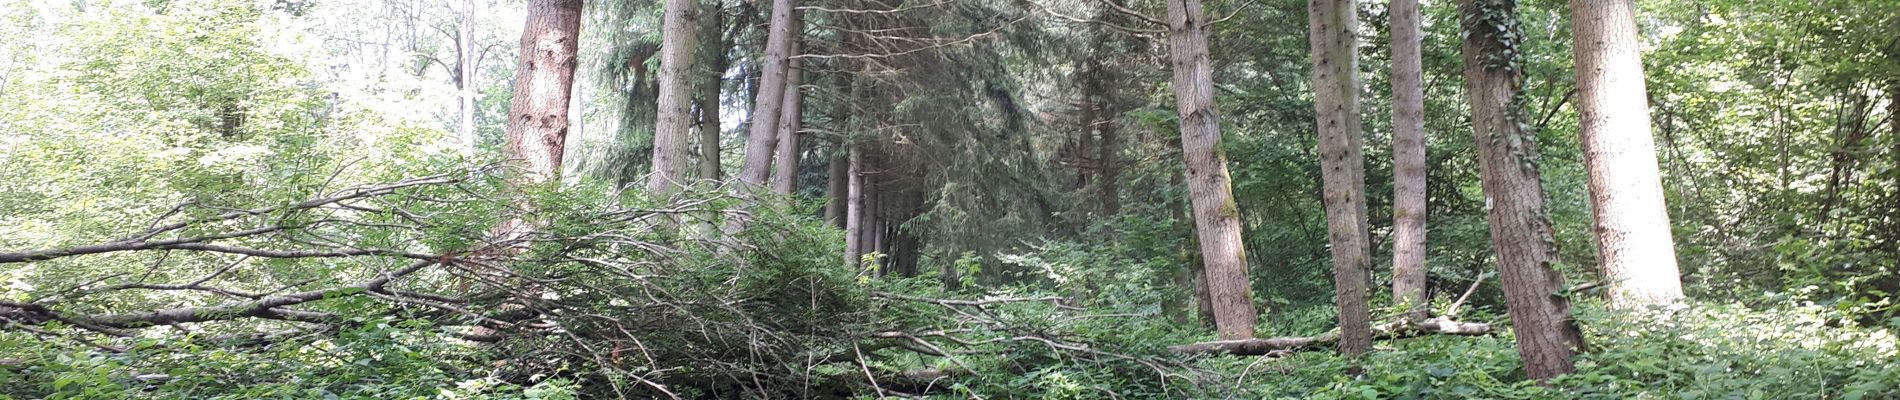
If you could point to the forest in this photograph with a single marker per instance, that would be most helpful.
(949, 199)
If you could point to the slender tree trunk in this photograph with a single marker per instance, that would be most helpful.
(835, 184)
(785, 178)
(465, 77)
(1086, 141)
(712, 25)
(673, 128)
(538, 118)
(1851, 128)
(1547, 337)
(838, 177)
(1109, 191)
(1408, 159)
(1197, 271)
(871, 229)
(854, 205)
(762, 138)
(1216, 218)
(762, 134)
(879, 244)
(1893, 154)
(1110, 144)
(1333, 24)
(910, 252)
(1634, 246)
(1109, 103)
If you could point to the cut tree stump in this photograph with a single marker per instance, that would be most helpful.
(1282, 345)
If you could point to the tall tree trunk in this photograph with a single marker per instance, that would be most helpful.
(762, 135)
(1892, 226)
(465, 75)
(1216, 218)
(854, 205)
(1547, 337)
(1408, 159)
(712, 25)
(1333, 24)
(908, 253)
(1108, 190)
(1086, 141)
(835, 183)
(1203, 301)
(1634, 247)
(785, 178)
(538, 118)
(762, 138)
(1109, 144)
(837, 178)
(673, 128)
(869, 229)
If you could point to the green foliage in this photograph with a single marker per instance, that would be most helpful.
(383, 358)
(1786, 349)
(1703, 351)
(1781, 186)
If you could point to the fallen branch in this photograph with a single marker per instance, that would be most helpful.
(1282, 345)
(1452, 312)
(267, 307)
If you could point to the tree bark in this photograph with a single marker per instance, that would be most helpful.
(1197, 271)
(785, 178)
(538, 118)
(835, 184)
(712, 24)
(1333, 24)
(673, 127)
(1892, 225)
(1547, 337)
(1408, 159)
(1216, 218)
(854, 206)
(838, 178)
(872, 234)
(1109, 145)
(1634, 246)
(762, 138)
(1109, 190)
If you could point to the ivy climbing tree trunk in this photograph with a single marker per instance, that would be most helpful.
(1547, 337)
(1216, 218)
(1333, 24)
(1634, 247)
(673, 128)
(538, 117)
(1408, 159)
